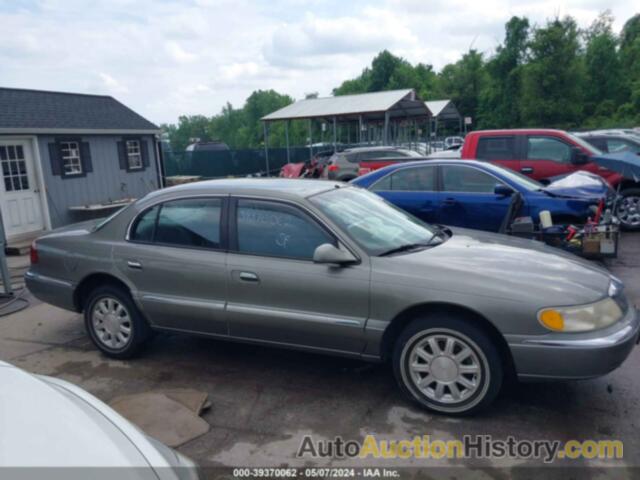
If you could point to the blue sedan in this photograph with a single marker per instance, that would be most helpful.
(471, 194)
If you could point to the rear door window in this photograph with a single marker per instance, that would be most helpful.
(144, 228)
(496, 148)
(190, 223)
(277, 230)
(419, 179)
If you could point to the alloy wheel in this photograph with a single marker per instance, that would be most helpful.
(629, 211)
(111, 323)
(446, 368)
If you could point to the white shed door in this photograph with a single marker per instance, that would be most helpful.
(20, 202)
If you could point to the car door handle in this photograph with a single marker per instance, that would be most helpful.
(248, 277)
(134, 265)
(526, 169)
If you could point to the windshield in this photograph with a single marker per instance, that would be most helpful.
(585, 144)
(412, 153)
(370, 221)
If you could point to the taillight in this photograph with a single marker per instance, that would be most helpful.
(33, 253)
(334, 168)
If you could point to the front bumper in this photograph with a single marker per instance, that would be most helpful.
(564, 356)
(51, 290)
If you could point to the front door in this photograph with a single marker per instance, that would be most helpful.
(20, 202)
(469, 199)
(277, 294)
(546, 157)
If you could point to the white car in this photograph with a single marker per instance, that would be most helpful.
(50, 423)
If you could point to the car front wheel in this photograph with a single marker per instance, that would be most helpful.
(114, 323)
(447, 365)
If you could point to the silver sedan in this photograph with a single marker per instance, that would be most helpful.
(331, 268)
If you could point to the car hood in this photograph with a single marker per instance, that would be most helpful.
(488, 264)
(45, 425)
(579, 184)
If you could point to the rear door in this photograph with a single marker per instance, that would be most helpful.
(546, 157)
(413, 189)
(501, 150)
(468, 199)
(175, 257)
(278, 294)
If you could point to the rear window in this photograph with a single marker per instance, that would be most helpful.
(496, 148)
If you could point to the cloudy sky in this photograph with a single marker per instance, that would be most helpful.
(165, 58)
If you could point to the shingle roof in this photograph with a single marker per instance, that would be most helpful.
(404, 101)
(41, 111)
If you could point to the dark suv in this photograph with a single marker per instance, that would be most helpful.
(612, 142)
(343, 166)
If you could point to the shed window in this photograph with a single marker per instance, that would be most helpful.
(134, 154)
(70, 156)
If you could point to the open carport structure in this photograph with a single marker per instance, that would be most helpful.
(443, 112)
(389, 117)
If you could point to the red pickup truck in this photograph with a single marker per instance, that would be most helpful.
(544, 154)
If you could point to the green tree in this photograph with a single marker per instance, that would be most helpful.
(463, 82)
(630, 64)
(190, 128)
(554, 78)
(499, 105)
(603, 70)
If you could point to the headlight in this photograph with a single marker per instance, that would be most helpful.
(581, 318)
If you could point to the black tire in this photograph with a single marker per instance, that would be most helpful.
(629, 192)
(138, 327)
(485, 358)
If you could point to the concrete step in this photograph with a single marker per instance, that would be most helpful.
(21, 247)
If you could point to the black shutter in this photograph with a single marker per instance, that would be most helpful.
(122, 156)
(54, 158)
(144, 150)
(85, 157)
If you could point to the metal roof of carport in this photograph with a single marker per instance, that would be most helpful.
(399, 103)
(443, 109)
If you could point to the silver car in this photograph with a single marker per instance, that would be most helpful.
(327, 267)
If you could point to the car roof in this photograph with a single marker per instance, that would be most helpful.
(509, 131)
(439, 161)
(372, 149)
(271, 187)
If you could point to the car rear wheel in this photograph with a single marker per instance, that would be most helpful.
(447, 365)
(628, 211)
(114, 323)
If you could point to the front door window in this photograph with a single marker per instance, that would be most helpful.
(277, 230)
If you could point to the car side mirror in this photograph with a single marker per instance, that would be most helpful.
(578, 157)
(502, 190)
(327, 253)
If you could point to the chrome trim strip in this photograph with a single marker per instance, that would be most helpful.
(43, 278)
(294, 315)
(258, 341)
(213, 305)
